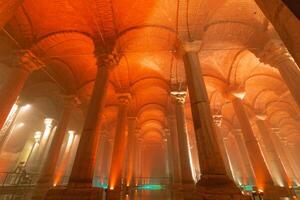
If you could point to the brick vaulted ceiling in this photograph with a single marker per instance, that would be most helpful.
(65, 33)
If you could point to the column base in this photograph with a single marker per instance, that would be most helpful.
(219, 187)
(75, 193)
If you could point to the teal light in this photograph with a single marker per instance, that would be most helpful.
(247, 187)
(100, 185)
(150, 187)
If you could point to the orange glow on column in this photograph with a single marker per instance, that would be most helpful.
(65, 158)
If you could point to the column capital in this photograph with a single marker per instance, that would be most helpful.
(124, 98)
(109, 60)
(48, 121)
(28, 61)
(167, 131)
(191, 46)
(137, 132)
(217, 119)
(179, 96)
(275, 131)
(275, 54)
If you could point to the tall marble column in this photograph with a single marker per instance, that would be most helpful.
(276, 55)
(240, 141)
(263, 177)
(175, 150)
(101, 156)
(46, 177)
(42, 150)
(119, 149)
(170, 153)
(282, 154)
(84, 164)
(275, 164)
(217, 120)
(185, 162)
(214, 178)
(131, 150)
(82, 174)
(285, 22)
(26, 63)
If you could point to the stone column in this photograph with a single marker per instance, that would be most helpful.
(42, 150)
(170, 154)
(8, 126)
(175, 150)
(84, 164)
(263, 177)
(101, 156)
(217, 119)
(46, 176)
(119, 149)
(14, 84)
(277, 56)
(214, 179)
(240, 141)
(185, 163)
(282, 154)
(285, 22)
(274, 160)
(137, 171)
(131, 150)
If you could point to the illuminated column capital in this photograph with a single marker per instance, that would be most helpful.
(167, 132)
(217, 120)
(28, 61)
(124, 98)
(108, 60)
(276, 131)
(37, 136)
(191, 46)
(48, 122)
(179, 96)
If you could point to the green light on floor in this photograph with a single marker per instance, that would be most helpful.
(247, 187)
(150, 187)
(100, 185)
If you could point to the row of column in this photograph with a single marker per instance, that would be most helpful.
(212, 167)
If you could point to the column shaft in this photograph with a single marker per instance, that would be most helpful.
(175, 150)
(210, 157)
(286, 163)
(224, 152)
(290, 73)
(185, 163)
(244, 156)
(46, 177)
(263, 177)
(84, 164)
(131, 150)
(286, 24)
(11, 90)
(119, 149)
(275, 163)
